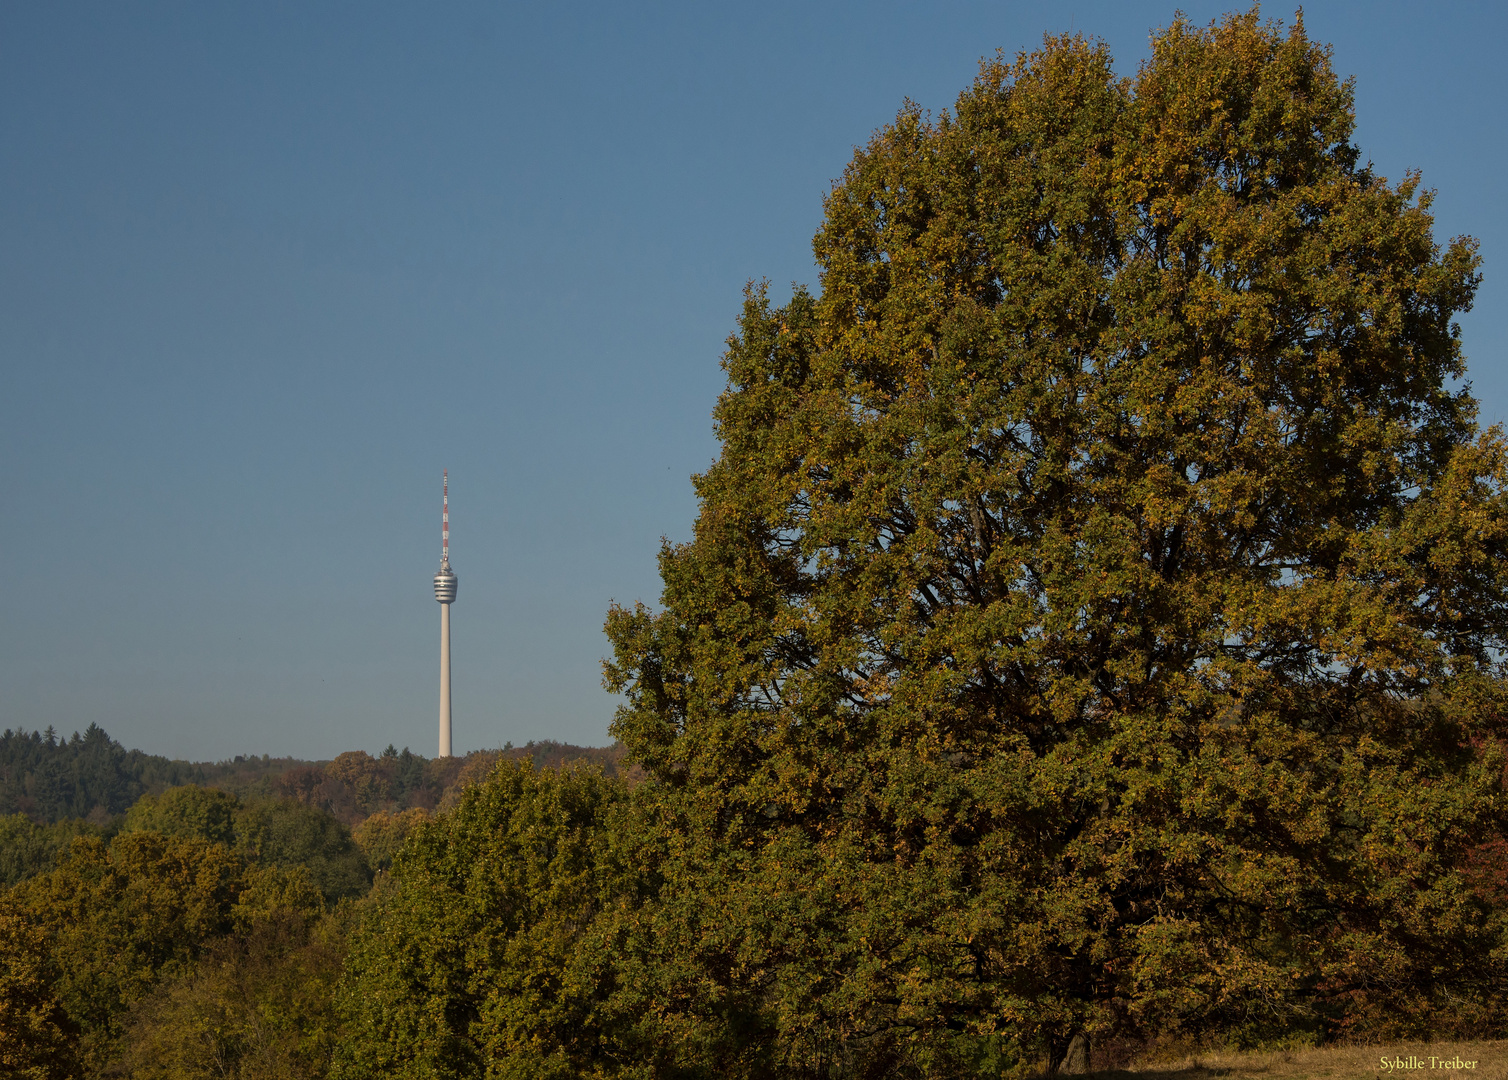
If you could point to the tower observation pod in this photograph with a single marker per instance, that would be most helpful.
(445, 592)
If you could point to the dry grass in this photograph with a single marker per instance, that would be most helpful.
(1338, 1062)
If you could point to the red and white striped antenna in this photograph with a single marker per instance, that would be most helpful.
(445, 520)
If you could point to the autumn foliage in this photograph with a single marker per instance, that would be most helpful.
(1092, 624)
(1091, 636)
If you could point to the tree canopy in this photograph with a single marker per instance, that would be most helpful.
(470, 960)
(1092, 623)
(109, 922)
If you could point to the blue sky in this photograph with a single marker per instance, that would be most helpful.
(266, 268)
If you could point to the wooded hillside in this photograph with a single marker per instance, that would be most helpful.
(51, 779)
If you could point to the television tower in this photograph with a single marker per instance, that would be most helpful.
(445, 592)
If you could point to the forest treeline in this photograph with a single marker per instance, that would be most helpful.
(525, 930)
(91, 777)
(202, 932)
(51, 778)
(53, 790)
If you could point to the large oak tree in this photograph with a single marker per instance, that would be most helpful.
(1092, 623)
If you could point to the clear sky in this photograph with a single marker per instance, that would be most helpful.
(267, 268)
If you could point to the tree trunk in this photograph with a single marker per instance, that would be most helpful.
(1075, 1057)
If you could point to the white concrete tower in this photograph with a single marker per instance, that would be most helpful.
(445, 592)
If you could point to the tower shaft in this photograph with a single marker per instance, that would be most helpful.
(444, 680)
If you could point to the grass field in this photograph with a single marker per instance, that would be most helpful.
(1336, 1062)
